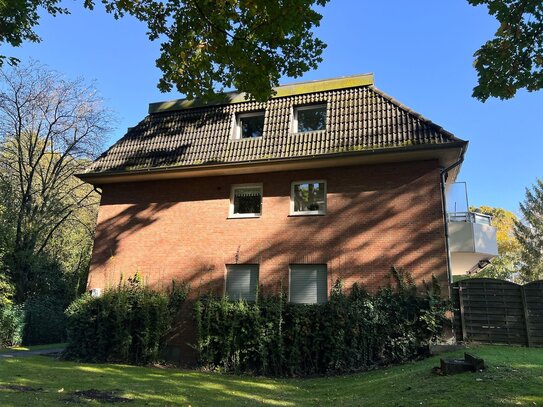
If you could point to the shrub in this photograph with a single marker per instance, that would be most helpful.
(126, 324)
(11, 325)
(350, 332)
(45, 321)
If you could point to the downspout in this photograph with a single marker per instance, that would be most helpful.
(443, 176)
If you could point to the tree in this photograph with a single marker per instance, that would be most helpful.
(246, 44)
(506, 266)
(529, 233)
(18, 18)
(49, 130)
(514, 58)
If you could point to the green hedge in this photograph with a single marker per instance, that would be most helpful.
(45, 321)
(126, 324)
(349, 333)
(12, 321)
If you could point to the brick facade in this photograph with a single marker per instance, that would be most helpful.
(377, 216)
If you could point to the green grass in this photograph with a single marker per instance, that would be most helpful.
(37, 347)
(514, 377)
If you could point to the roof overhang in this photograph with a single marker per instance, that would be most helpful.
(446, 154)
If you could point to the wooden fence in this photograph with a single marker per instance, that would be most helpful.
(497, 311)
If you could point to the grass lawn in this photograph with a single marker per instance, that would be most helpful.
(514, 377)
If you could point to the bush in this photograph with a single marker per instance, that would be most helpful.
(349, 333)
(11, 316)
(126, 324)
(11, 325)
(45, 321)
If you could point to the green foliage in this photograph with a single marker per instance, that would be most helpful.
(513, 59)
(47, 215)
(6, 291)
(127, 324)
(17, 19)
(45, 321)
(46, 212)
(177, 295)
(529, 233)
(11, 325)
(248, 45)
(351, 332)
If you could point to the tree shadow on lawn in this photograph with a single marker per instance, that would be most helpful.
(513, 376)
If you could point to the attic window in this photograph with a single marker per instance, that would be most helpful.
(309, 118)
(249, 125)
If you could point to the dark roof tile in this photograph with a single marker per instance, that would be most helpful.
(358, 118)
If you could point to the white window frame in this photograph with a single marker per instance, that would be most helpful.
(295, 111)
(233, 188)
(305, 213)
(237, 124)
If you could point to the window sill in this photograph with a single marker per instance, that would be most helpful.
(294, 215)
(248, 216)
(241, 139)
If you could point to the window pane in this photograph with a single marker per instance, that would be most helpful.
(247, 200)
(252, 126)
(309, 197)
(308, 283)
(311, 119)
(242, 282)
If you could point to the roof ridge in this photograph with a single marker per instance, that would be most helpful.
(419, 116)
(286, 90)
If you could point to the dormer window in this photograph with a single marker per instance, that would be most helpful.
(249, 125)
(309, 118)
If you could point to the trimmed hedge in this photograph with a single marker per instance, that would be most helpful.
(349, 333)
(126, 324)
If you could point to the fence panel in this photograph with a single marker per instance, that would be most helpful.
(497, 311)
(533, 294)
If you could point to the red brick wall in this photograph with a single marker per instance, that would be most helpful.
(377, 216)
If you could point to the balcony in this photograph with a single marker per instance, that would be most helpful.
(472, 241)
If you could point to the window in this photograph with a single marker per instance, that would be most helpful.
(308, 198)
(309, 118)
(246, 201)
(241, 281)
(249, 125)
(308, 284)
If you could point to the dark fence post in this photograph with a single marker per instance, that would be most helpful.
(526, 316)
(462, 319)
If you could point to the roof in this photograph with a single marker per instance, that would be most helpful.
(182, 134)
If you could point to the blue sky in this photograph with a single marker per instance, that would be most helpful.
(421, 53)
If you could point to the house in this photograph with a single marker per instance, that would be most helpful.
(328, 179)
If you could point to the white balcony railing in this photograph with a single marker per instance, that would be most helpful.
(472, 240)
(470, 217)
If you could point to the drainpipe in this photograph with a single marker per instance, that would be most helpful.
(443, 176)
